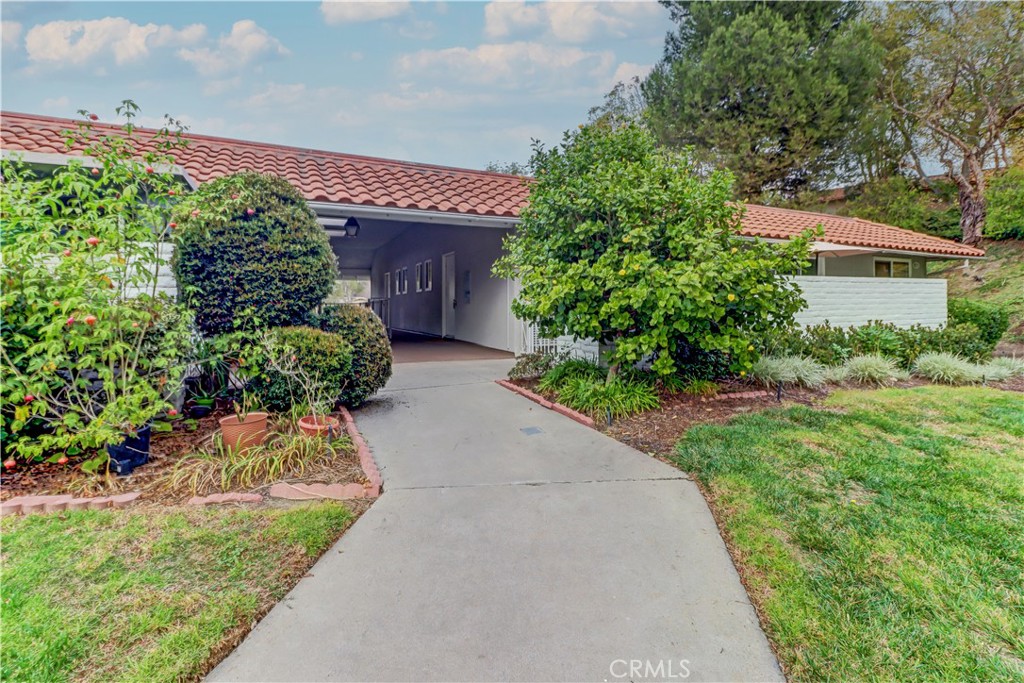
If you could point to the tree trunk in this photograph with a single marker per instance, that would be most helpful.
(972, 214)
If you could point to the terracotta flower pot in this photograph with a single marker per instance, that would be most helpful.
(320, 426)
(243, 433)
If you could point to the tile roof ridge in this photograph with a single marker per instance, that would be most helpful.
(250, 144)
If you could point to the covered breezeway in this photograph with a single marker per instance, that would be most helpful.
(430, 279)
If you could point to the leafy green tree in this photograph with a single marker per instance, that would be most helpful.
(954, 72)
(509, 167)
(904, 202)
(1005, 197)
(772, 91)
(624, 103)
(623, 242)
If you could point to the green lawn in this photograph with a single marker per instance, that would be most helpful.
(146, 594)
(883, 536)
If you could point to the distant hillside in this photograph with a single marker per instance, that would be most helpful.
(998, 279)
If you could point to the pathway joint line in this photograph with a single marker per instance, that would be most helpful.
(557, 482)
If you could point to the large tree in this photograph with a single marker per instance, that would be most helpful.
(772, 91)
(623, 242)
(954, 72)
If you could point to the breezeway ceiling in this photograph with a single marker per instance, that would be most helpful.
(356, 253)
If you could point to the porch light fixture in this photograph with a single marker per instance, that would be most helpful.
(352, 227)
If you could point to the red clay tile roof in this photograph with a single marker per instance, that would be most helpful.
(770, 222)
(350, 179)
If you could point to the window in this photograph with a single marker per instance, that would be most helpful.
(387, 285)
(419, 277)
(428, 275)
(892, 268)
(405, 280)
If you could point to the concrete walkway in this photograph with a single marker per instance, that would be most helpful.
(511, 543)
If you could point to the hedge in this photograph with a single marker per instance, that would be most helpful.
(371, 362)
(250, 253)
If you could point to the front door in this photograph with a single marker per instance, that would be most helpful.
(449, 297)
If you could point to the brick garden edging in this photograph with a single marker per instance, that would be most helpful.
(550, 405)
(366, 460)
(743, 394)
(27, 505)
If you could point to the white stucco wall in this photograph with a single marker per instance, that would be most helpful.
(846, 301)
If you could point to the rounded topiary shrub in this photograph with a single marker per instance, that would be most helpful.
(323, 355)
(250, 251)
(371, 360)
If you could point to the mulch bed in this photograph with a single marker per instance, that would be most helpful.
(656, 432)
(44, 478)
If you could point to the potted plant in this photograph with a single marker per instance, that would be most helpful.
(131, 452)
(246, 428)
(319, 399)
(201, 405)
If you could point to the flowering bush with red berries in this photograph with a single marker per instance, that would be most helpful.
(90, 347)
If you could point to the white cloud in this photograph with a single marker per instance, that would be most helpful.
(627, 71)
(57, 105)
(572, 22)
(418, 30)
(10, 33)
(512, 65)
(79, 43)
(246, 43)
(434, 98)
(347, 12)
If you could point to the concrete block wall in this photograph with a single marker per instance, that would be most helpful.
(846, 301)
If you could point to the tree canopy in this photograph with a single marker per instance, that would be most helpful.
(772, 91)
(954, 74)
(623, 242)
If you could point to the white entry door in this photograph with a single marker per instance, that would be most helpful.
(449, 297)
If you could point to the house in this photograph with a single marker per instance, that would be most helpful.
(426, 236)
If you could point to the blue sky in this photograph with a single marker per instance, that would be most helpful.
(456, 83)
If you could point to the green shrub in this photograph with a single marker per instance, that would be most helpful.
(693, 362)
(250, 253)
(704, 388)
(872, 369)
(946, 368)
(834, 345)
(90, 348)
(1004, 368)
(597, 398)
(323, 355)
(371, 357)
(573, 368)
(772, 371)
(992, 321)
(1004, 219)
(532, 365)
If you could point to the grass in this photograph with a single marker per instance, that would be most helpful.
(147, 595)
(998, 279)
(882, 537)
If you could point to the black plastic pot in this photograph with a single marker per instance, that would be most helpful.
(130, 453)
(197, 411)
